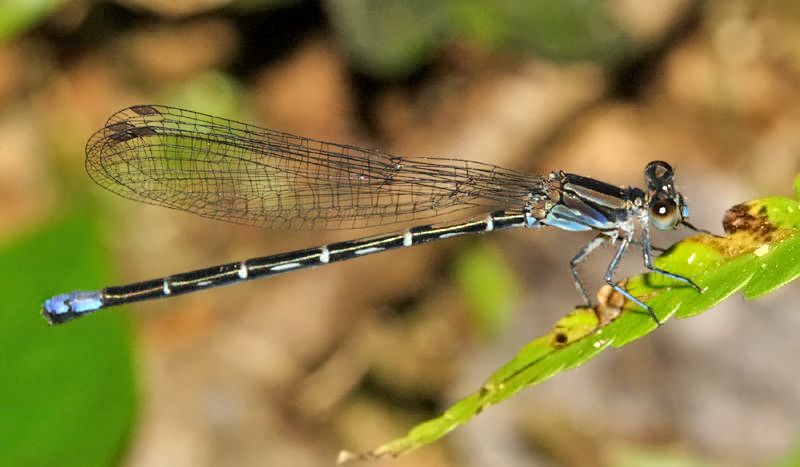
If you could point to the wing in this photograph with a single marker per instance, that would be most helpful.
(235, 172)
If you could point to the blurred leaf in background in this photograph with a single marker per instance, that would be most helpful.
(560, 30)
(68, 393)
(389, 38)
(791, 458)
(489, 287)
(18, 15)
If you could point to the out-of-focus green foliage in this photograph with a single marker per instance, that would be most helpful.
(489, 287)
(18, 15)
(791, 458)
(211, 92)
(389, 38)
(559, 30)
(68, 393)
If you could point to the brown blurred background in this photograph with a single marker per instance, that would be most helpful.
(289, 370)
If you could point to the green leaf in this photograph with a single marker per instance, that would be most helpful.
(560, 30)
(758, 255)
(389, 38)
(791, 458)
(570, 343)
(68, 394)
(18, 15)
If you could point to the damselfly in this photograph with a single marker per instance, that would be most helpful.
(235, 172)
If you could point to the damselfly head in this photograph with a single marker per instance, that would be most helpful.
(666, 207)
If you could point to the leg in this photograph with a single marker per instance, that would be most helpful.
(612, 268)
(652, 247)
(648, 262)
(695, 228)
(580, 256)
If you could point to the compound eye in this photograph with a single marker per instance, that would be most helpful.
(658, 173)
(664, 214)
